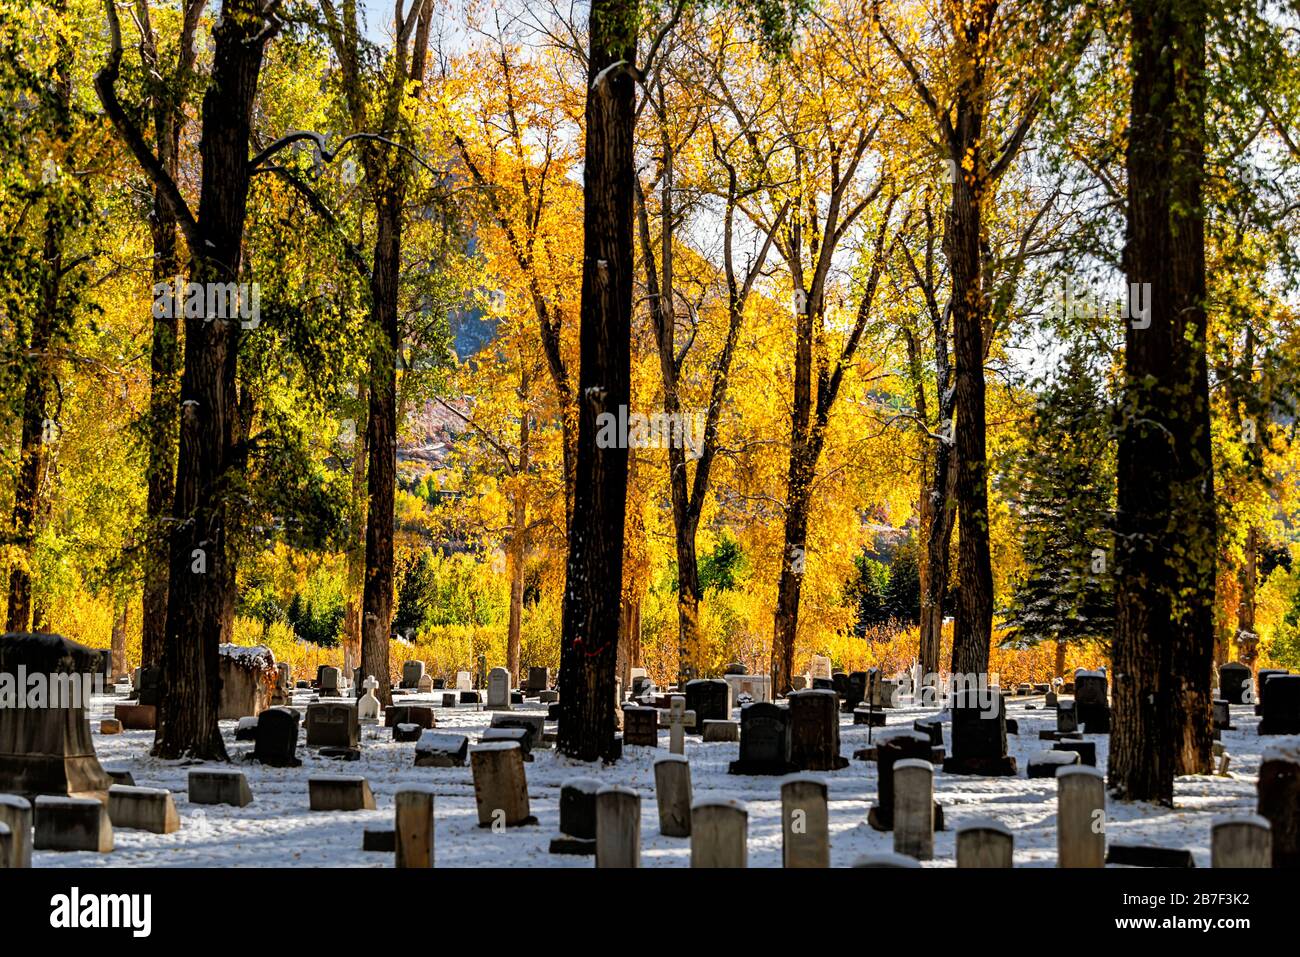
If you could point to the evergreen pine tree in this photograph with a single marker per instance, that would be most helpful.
(1064, 490)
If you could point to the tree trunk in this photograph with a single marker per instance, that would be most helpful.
(117, 642)
(1247, 639)
(973, 629)
(1165, 542)
(1058, 668)
(518, 543)
(381, 447)
(201, 577)
(790, 585)
(356, 563)
(36, 430)
(593, 588)
(162, 431)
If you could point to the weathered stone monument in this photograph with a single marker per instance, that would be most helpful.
(979, 735)
(764, 740)
(248, 679)
(1234, 682)
(47, 748)
(815, 731)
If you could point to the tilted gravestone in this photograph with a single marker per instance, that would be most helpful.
(48, 749)
(764, 741)
(815, 731)
(1234, 681)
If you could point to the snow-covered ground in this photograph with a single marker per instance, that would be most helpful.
(277, 829)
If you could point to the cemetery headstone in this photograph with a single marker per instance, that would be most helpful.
(498, 690)
(815, 731)
(1241, 841)
(441, 750)
(500, 787)
(1234, 682)
(16, 814)
(979, 735)
(1080, 806)
(339, 792)
(1090, 701)
(330, 682)
(368, 704)
(418, 714)
(539, 679)
(1045, 764)
(914, 808)
(277, 738)
(143, 809)
(1281, 707)
(533, 723)
(248, 677)
(618, 827)
(855, 691)
(673, 794)
(49, 750)
(1265, 675)
(413, 828)
(332, 725)
(764, 740)
(721, 730)
(805, 823)
(709, 698)
(679, 719)
(219, 786)
(892, 747)
(1279, 800)
(719, 833)
(641, 726)
(72, 824)
(412, 672)
(984, 843)
(577, 817)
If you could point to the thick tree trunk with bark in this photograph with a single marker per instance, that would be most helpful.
(518, 552)
(593, 587)
(381, 448)
(973, 627)
(356, 562)
(1166, 541)
(1247, 638)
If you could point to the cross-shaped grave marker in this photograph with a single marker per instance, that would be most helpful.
(678, 718)
(368, 705)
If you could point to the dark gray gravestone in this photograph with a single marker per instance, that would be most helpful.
(1265, 675)
(1139, 855)
(893, 747)
(277, 738)
(49, 749)
(979, 735)
(1281, 706)
(1091, 703)
(641, 726)
(1067, 717)
(823, 684)
(815, 731)
(440, 750)
(1234, 679)
(1222, 715)
(856, 692)
(421, 714)
(412, 672)
(1086, 750)
(332, 725)
(840, 683)
(577, 817)
(147, 686)
(329, 682)
(539, 679)
(710, 699)
(764, 740)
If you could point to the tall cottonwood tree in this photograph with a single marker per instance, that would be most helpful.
(984, 81)
(688, 488)
(1166, 539)
(200, 602)
(166, 86)
(594, 573)
(378, 99)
